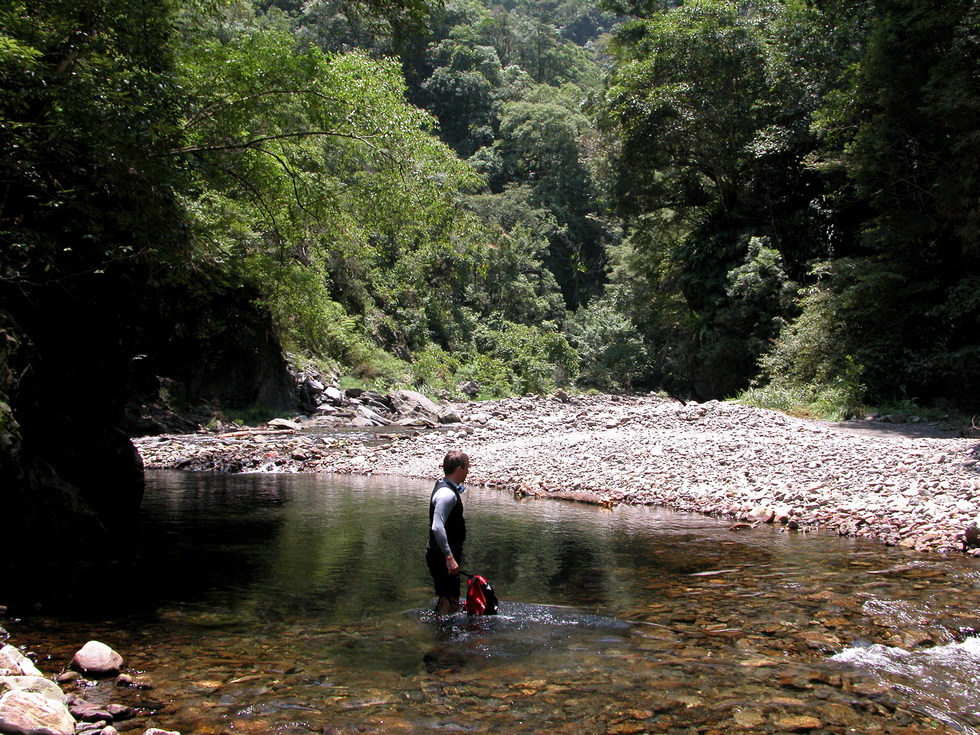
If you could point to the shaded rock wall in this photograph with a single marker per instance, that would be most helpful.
(70, 478)
(40, 506)
(222, 349)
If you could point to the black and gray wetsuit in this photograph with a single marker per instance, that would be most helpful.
(447, 532)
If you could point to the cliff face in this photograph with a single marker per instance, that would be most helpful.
(219, 347)
(40, 505)
(69, 476)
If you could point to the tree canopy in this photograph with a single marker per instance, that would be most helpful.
(702, 196)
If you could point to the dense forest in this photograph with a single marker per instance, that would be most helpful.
(696, 196)
(771, 199)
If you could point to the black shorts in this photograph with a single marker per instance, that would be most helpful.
(444, 583)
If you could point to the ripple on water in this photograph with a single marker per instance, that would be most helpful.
(944, 680)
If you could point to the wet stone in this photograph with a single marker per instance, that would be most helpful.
(748, 718)
(89, 712)
(798, 723)
(841, 714)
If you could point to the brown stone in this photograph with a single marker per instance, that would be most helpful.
(749, 718)
(840, 713)
(798, 723)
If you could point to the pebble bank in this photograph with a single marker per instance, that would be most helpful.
(748, 464)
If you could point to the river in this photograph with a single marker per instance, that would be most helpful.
(299, 603)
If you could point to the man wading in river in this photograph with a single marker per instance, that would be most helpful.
(447, 532)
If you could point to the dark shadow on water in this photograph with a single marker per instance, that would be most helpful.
(922, 430)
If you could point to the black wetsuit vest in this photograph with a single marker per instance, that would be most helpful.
(455, 523)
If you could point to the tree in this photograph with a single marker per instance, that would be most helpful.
(89, 228)
(461, 92)
(312, 175)
(540, 147)
(909, 116)
(713, 127)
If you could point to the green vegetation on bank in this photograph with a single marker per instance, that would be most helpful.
(774, 199)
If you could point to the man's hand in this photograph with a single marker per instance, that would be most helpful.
(451, 565)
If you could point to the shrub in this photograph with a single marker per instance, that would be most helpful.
(520, 358)
(611, 355)
(435, 369)
(837, 400)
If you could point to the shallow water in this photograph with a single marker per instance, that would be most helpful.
(300, 603)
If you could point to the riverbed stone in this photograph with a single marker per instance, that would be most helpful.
(15, 663)
(120, 711)
(449, 417)
(762, 514)
(35, 684)
(284, 424)
(127, 680)
(413, 403)
(372, 416)
(749, 718)
(841, 713)
(96, 658)
(29, 713)
(91, 728)
(798, 723)
(89, 711)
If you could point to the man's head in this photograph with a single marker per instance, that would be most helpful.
(456, 463)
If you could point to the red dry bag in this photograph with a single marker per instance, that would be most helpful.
(480, 597)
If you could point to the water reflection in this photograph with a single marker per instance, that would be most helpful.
(296, 603)
(340, 548)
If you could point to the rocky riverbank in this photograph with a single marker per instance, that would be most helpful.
(33, 704)
(909, 484)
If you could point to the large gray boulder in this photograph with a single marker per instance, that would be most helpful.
(372, 416)
(411, 404)
(28, 713)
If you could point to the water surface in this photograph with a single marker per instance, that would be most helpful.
(300, 603)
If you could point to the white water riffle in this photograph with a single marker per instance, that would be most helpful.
(943, 681)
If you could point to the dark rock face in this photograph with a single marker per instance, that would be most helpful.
(216, 346)
(45, 494)
(70, 478)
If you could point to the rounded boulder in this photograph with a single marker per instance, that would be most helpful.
(97, 659)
